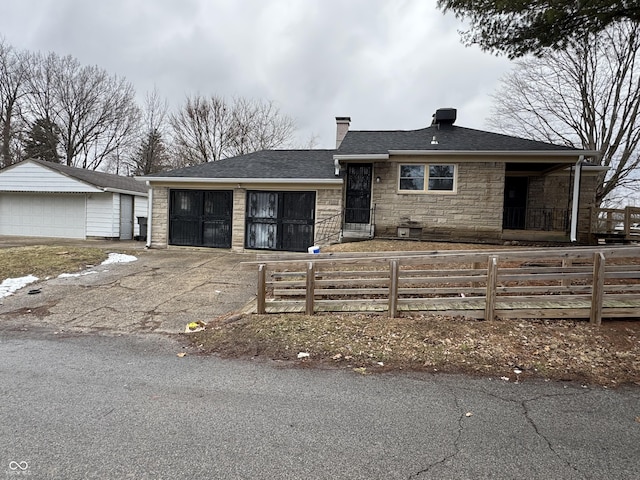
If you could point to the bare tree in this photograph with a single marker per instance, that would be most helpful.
(209, 129)
(258, 125)
(13, 80)
(151, 154)
(587, 96)
(95, 112)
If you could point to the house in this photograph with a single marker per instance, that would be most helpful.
(442, 182)
(45, 199)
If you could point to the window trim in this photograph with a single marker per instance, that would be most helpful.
(425, 190)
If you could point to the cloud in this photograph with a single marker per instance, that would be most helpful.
(386, 64)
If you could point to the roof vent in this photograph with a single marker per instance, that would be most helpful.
(445, 116)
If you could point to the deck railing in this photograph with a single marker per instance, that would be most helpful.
(359, 222)
(546, 219)
(622, 223)
(328, 229)
(580, 282)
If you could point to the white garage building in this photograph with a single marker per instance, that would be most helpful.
(45, 199)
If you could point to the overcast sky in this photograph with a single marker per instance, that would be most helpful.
(388, 64)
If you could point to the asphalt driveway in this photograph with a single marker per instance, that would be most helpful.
(160, 292)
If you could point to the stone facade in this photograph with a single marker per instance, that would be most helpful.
(473, 212)
(328, 215)
(238, 219)
(159, 217)
(328, 210)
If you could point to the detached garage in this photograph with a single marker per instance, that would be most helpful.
(44, 199)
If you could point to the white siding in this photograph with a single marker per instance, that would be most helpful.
(31, 177)
(42, 215)
(103, 215)
(140, 209)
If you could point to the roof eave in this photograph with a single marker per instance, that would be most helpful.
(500, 153)
(362, 156)
(304, 181)
(126, 192)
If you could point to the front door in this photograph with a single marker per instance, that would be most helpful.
(358, 194)
(515, 203)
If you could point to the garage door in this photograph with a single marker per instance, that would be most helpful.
(42, 215)
(200, 218)
(280, 220)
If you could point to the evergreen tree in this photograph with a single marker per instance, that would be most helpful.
(151, 156)
(519, 27)
(42, 141)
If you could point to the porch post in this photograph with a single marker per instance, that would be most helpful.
(576, 199)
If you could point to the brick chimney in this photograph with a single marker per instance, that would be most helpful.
(342, 127)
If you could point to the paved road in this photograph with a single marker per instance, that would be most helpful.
(83, 394)
(84, 406)
(160, 292)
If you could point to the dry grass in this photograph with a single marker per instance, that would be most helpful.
(567, 350)
(43, 261)
(406, 246)
(558, 349)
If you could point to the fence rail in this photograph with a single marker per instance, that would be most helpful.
(622, 223)
(580, 282)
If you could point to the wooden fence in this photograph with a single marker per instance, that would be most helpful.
(581, 282)
(616, 223)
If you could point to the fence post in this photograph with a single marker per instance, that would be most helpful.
(393, 288)
(492, 279)
(597, 294)
(311, 285)
(627, 223)
(262, 269)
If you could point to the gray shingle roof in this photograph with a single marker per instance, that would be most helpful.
(318, 164)
(449, 138)
(99, 179)
(267, 164)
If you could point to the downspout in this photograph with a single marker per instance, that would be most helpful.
(576, 199)
(149, 213)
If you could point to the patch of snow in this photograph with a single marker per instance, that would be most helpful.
(10, 285)
(81, 274)
(119, 258)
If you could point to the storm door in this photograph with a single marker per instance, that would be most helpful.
(358, 194)
(280, 220)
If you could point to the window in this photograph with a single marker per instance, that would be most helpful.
(427, 178)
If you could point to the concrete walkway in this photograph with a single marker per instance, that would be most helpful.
(160, 292)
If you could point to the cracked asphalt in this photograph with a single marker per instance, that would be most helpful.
(160, 292)
(90, 387)
(79, 406)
